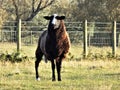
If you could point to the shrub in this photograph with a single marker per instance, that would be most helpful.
(14, 57)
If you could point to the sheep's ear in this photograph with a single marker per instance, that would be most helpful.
(60, 17)
(47, 17)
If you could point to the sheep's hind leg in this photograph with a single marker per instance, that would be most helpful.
(38, 59)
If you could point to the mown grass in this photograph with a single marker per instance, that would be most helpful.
(76, 75)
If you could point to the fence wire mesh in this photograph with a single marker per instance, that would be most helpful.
(99, 34)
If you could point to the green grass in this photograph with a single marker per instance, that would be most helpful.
(12, 47)
(77, 74)
(76, 50)
(82, 75)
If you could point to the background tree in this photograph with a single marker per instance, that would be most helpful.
(96, 10)
(28, 9)
(76, 10)
(3, 14)
(24, 9)
(113, 10)
(61, 7)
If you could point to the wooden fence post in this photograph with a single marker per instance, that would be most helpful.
(19, 37)
(85, 39)
(114, 39)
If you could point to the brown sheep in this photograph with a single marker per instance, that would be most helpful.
(54, 44)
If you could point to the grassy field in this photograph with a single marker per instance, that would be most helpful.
(77, 74)
(82, 75)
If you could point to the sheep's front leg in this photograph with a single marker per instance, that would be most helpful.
(58, 65)
(53, 70)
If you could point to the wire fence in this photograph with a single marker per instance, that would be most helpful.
(31, 32)
(99, 34)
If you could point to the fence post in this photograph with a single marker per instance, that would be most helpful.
(114, 39)
(85, 39)
(19, 36)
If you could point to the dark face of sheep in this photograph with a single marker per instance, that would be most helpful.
(54, 20)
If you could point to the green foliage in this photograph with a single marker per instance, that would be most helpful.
(14, 57)
(70, 56)
(100, 56)
(92, 56)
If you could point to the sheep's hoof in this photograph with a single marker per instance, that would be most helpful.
(59, 80)
(38, 79)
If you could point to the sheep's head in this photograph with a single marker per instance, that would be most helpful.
(54, 20)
